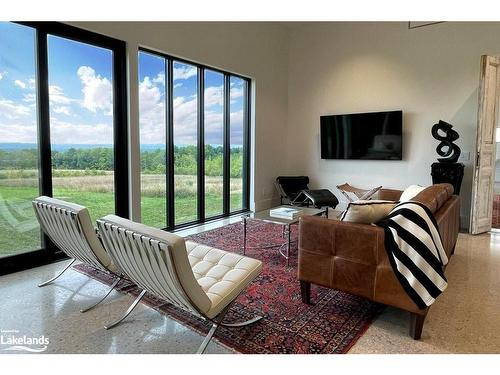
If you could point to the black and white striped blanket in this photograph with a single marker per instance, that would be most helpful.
(415, 251)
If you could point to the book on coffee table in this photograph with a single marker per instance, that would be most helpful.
(286, 213)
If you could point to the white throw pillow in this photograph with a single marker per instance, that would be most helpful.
(410, 192)
(367, 212)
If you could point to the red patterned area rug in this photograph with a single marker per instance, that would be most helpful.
(332, 324)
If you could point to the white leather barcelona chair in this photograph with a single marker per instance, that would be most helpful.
(200, 279)
(69, 226)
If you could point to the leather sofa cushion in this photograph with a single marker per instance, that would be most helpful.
(434, 196)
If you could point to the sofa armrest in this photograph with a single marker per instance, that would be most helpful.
(341, 255)
(323, 236)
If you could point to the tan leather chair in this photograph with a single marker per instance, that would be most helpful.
(200, 279)
(69, 226)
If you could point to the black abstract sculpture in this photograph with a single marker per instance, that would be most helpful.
(452, 153)
(447, 170)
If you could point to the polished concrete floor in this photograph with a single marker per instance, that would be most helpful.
(465, 319)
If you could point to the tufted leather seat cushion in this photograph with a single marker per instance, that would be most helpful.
(222, 275)
(434, 196)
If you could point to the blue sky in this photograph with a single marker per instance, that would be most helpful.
(17, 67)
(80, 87)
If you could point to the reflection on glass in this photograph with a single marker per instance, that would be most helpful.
(185, 115)
(237, 98)
(214, 140)
(81, 124)
(152, 122)
(19, 230)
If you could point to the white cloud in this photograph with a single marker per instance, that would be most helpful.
(185, 120)
(12, 110)
(151, 112)
(184, 71)
(24, 132)
(68, 133)
(17, 122)
(177, 85)
(236, 121)
(20, 84)
(152, 116)
(29, 98)
(214, 95)
(62, 109)
(214, 127)
(57, 96)
(97, 90)
(235, 92)
(1, 76)
(160, 78)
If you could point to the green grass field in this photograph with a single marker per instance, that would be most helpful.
(19, 228)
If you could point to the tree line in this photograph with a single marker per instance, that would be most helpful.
(152, 161)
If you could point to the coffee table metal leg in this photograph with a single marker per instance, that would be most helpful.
(289, 233)
(244, 234)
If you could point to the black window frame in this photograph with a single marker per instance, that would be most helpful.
(170, 194)
(49, 253)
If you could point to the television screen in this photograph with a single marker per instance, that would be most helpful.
(369, 136)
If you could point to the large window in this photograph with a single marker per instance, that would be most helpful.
(18, 140)
(63, 130)
(185, 123)
(214, 143)
(81, 124)
(194, 130)
(153, 118)
(238, 100)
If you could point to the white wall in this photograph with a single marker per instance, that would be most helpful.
(302, 71)
(431, 73)
(256, 50)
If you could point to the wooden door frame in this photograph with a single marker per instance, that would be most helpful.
(483, 108)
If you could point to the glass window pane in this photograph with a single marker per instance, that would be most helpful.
(185, 96)
(214, 140)
(152, 121)
(236, 121)
(18, 140)
(81, 124)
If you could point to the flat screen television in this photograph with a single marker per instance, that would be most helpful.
(367, 136)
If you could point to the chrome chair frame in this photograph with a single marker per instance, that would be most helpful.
(150, 264)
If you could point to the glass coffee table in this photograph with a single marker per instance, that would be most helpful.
(286, 224)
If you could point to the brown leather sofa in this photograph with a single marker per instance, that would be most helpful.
(351, 257)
